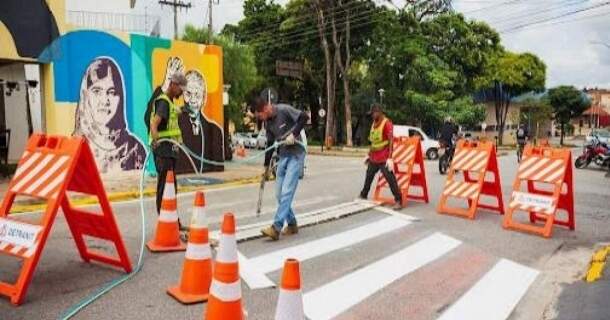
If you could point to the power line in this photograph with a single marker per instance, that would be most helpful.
(532, 14)
(176, 4)
(587, 18)
(518, 27)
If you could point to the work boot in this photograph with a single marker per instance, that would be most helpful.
(290, 230)
(397, 205)
(271, 233)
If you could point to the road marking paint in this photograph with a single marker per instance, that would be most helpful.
(397, 214)
(495, 295)
(255, 279)
(338, 296)
(273, 261)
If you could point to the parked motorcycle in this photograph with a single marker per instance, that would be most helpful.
(596, 152)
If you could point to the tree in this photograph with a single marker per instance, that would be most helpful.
(534, 112)
(567, 102)
(512, 75)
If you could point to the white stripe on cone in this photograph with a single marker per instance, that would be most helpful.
(196, 251)
(198, 219)
(168, 216)
(228, 249)
(290, 305)
(226, 292)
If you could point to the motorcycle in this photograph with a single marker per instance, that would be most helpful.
(444, 161)
(596, 152)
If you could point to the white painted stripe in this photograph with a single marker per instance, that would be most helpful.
(467, 157)
(168, 216)
(554, 165)
(227, 249)
(525, 164)
(199, 218)
(458, 192)
(480, 157)
(289, 305)
(332, 299)
(30, 251)
(27, 164)
(527, 173)
(472, 191)
(46, 175)
(169, 192)
(452, 185)
(16, 249)
(459, 154)
(51, 186)
(226, 292)
(482, 165)
(255, 268)
(33, 172)
(494, 296)
(275, 260)
(255, 279)
(559, 173)
(195, 251)
(396, 214)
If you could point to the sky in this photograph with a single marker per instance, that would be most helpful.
(568, 45)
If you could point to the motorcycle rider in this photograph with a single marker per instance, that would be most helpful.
(522, 138)
(447, 135)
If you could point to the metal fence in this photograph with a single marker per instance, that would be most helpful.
(131, 23)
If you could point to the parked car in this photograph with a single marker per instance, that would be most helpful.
(430, 147)
(247, 139)
(261, 140)
(602, 135)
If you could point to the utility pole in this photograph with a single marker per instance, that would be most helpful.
(210, 25)
(176, 4)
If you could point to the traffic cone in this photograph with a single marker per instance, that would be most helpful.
(197, 269)
(290, 301)
(167, 235)
(225, 292)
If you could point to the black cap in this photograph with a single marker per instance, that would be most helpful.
(375, 107)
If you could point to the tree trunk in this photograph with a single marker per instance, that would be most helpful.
(562, 133)
(329, 66)
(344, 69)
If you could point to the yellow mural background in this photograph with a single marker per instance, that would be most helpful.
(207, 60)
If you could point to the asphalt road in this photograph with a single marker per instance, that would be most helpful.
(429, 267)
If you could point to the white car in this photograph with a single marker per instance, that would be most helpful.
(430, 147)
(601, 134)
(247, 139)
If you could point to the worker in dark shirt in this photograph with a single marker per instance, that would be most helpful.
(164, 124)
(283, 123)
(448, 133)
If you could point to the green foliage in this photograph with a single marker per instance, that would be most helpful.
(567, 102)
(239, 69)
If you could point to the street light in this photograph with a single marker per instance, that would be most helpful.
(381, 92)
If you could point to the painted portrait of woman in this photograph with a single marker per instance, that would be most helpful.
(100, 117)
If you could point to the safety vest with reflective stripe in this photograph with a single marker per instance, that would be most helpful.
(173, 129)
(376, 136)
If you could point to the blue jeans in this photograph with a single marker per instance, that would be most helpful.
(288, 171)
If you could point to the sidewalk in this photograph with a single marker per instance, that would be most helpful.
(125, 186)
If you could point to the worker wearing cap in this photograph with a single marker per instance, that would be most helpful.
(283, 123)
(380, 154)
(164, 125)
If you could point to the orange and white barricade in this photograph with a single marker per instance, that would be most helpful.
(409, 171)
(474, 160)
(543, 186)
(50, 167)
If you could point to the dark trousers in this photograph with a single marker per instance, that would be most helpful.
(164, 164)
(371, 171)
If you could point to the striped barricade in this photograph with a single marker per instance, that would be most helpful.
(51, 166)
(542, 187)
(474, 160)
(409, 171)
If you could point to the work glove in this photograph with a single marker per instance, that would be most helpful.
(290, 139)
(390, 164)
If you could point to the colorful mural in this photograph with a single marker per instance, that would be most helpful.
(93, 92)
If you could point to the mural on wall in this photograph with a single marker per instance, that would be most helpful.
(30, 23)
(100, 117)
(93, 93)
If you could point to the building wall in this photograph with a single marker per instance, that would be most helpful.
(15, 111)
(100, 84)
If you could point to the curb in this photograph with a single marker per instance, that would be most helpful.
(131, 195)
(596, 266)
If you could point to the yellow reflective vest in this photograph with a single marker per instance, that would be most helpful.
(376, 136)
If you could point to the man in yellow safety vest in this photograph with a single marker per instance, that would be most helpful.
(164, 124)
(380, 155)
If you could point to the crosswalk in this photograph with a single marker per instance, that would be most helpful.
(466, 282)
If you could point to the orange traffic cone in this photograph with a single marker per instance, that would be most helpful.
(241, 151)
(197, 269)
(225, 292)
(167, 235)
(290, 301)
